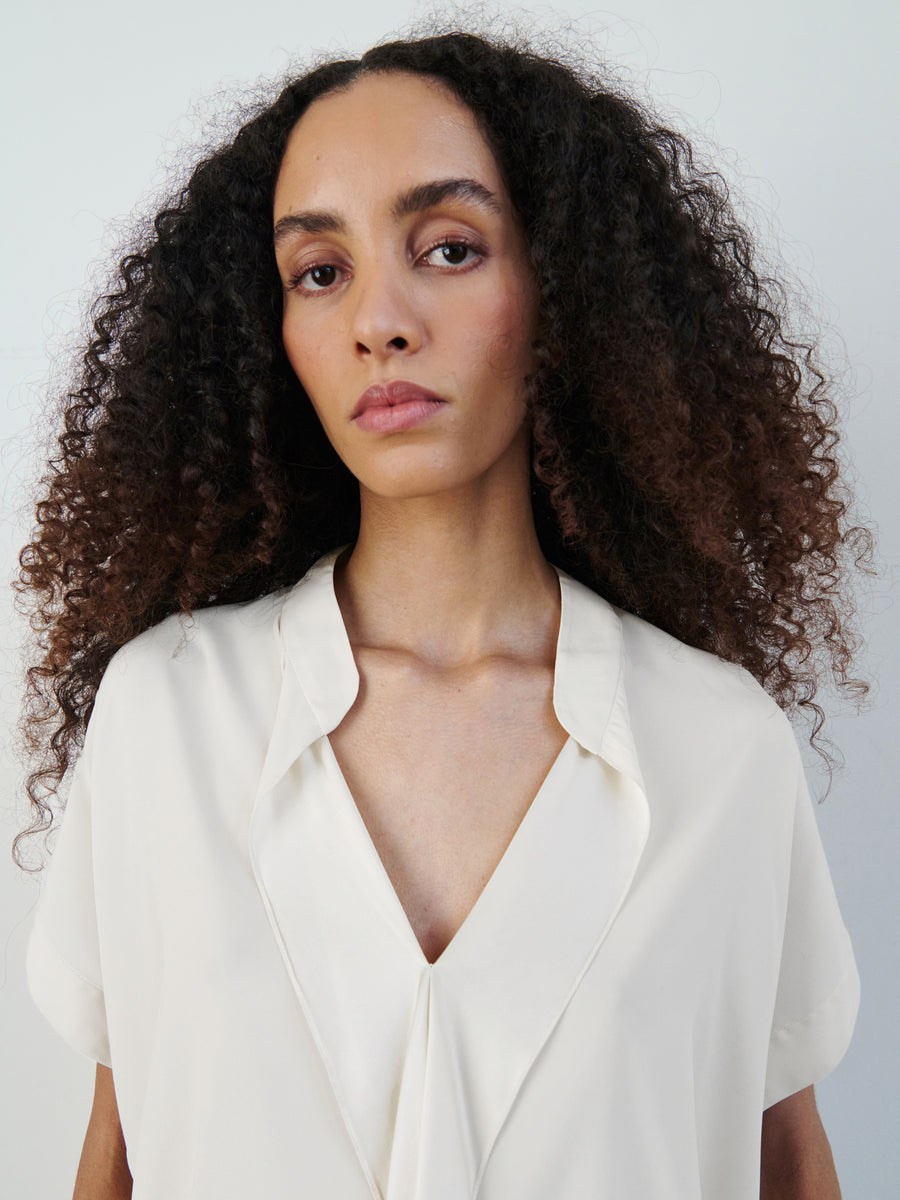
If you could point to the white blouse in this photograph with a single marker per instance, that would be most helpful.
(657, 957)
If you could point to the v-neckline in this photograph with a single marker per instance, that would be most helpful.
(424, 1061)
(345, 797)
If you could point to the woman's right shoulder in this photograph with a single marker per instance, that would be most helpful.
(192, 652)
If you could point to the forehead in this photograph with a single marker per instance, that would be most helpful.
(382, 134)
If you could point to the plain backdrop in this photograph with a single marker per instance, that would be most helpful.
(801, 100)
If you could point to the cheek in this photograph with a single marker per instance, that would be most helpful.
(306, 353)
(295, 345)
(503, 325)
(310, 361)
(506, 349)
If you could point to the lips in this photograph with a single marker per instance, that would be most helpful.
(395, 407)
(389, 395)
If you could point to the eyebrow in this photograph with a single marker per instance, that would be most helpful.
(415, 199)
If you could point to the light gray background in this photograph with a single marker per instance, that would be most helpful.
(802, 99)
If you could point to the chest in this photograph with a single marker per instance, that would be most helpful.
(442, 773)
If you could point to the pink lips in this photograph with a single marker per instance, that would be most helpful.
(395, 406)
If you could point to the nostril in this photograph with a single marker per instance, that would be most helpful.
(396, 343)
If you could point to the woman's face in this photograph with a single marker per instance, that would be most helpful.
(409, 299)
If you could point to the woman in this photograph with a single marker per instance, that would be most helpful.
(450, 847)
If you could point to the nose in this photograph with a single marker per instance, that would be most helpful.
(385, 320)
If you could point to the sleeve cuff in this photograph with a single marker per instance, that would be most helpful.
(805, 1051)
(72, 1004)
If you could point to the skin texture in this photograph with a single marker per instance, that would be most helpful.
(451, 608)
(796, 1159)
(103, 1172)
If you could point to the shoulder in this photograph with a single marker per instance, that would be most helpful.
(652, 657)
(717, 754)
(196, 651)
(693, 698)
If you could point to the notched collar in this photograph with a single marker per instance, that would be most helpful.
(588, 686)
(319, 676)
(321, 682)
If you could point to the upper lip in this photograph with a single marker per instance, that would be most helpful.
(385, 395)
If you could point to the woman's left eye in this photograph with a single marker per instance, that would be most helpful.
(452, 254)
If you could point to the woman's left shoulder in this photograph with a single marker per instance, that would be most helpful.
(695, 693)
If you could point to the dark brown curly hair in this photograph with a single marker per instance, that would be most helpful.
(683, 445)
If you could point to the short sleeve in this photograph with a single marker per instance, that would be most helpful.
(818, 985)
(63, 955)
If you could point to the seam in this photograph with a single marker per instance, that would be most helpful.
(73, 970)
(780, 1030)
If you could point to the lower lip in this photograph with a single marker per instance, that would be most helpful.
(394, 418)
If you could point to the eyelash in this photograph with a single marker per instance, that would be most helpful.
(457, 268)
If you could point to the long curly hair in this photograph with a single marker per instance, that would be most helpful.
(683, 445)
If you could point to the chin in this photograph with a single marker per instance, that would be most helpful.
(409, 487)
(438, 467)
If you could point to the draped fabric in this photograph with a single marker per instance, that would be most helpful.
(657, 956)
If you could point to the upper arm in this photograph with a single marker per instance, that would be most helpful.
(796, 1161)
(103, 1172)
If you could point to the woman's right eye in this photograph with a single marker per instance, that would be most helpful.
(314, 279)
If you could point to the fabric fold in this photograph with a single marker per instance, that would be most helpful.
(426, 1060)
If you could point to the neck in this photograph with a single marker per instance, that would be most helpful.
(451, 577)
